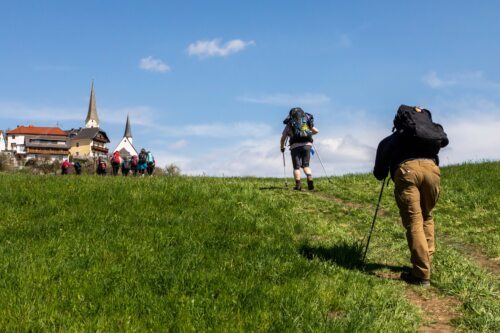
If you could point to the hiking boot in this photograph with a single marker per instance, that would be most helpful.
(298, 185)
(310, 185)
(410, 279)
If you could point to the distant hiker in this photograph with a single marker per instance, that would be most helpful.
(126, 165)
(134, 164)
(65, 167)
(150, 161)
(143, 159)
(410, 153)
(299, 127)
(101, 167)
(78, 167)
(115, 162)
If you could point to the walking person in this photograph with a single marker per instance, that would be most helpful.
(142, 165)
(115, 162)
(65, 167)
(101, 167)
(134, 164)
(78, 168)
(150, 160)
(299, 128)
(411, 157)
(126, 165)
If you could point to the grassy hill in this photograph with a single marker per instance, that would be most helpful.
(231, 254)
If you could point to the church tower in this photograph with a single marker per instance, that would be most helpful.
(92, 119)
(128, 131)
(125, 147)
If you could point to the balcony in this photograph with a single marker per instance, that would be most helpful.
(42, 151)
(100, 149)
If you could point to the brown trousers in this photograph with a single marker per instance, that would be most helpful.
(417, 186)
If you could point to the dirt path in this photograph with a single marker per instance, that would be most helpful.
(437, 310)
(475, 254)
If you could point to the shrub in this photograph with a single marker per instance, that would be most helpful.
(172, 170)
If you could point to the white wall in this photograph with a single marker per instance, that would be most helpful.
(2, 142)
(18, 140)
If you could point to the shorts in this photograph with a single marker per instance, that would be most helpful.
(301, 157)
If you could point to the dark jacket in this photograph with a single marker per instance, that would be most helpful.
(393, 150)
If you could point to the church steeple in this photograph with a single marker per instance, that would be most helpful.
(92, 118)
(128, 130)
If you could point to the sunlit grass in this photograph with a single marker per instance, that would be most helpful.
(212, 254)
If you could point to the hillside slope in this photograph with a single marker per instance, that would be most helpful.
(233, 254)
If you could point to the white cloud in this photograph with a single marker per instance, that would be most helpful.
(30, 113)
(215, 130)
(40, 115)
(472, 127)
(139, 115)
(279, 99)
(153, 65)
(349, 147)
(179, 144)
(473, 79)
(432, 80)
(211, 48)
(473, 139)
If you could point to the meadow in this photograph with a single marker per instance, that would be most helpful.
(198, 254)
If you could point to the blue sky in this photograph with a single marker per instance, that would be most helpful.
(208, 83)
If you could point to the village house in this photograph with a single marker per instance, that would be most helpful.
(125, 147)
(91, 141)
(38, 142)
(3, 144)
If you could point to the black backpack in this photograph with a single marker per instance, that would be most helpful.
(300, 123)
(416, 128)
(126, 164)
(142, 158)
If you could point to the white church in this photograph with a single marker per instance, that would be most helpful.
(125, 147)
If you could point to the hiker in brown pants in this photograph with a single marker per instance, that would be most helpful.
(417, 185)
(415, 172)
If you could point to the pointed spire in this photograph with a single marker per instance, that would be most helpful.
(92, 118)
(128, 130)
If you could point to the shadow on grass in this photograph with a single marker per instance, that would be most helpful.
(273, 188)
(347, 255)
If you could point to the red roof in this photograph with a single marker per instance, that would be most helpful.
(35, 130)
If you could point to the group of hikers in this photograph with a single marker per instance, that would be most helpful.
(141, 164)
(409, 155)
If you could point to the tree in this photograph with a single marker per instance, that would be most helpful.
(172, 170)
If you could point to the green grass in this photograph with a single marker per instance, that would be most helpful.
(234, 254)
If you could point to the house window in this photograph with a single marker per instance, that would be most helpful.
(13, 146)
(78, 144)
(13, 137)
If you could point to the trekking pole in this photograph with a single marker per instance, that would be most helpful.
(284, 170)
(319, 158)
(284, 166)
(374, 217)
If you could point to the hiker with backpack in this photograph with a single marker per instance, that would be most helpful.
(134, 164)
(78, 167)
(126, 165)
(142, 164)
(150, 160)
(115, 162)
(299, 128)
(101, 167)
(65, 167)
(410, 154)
